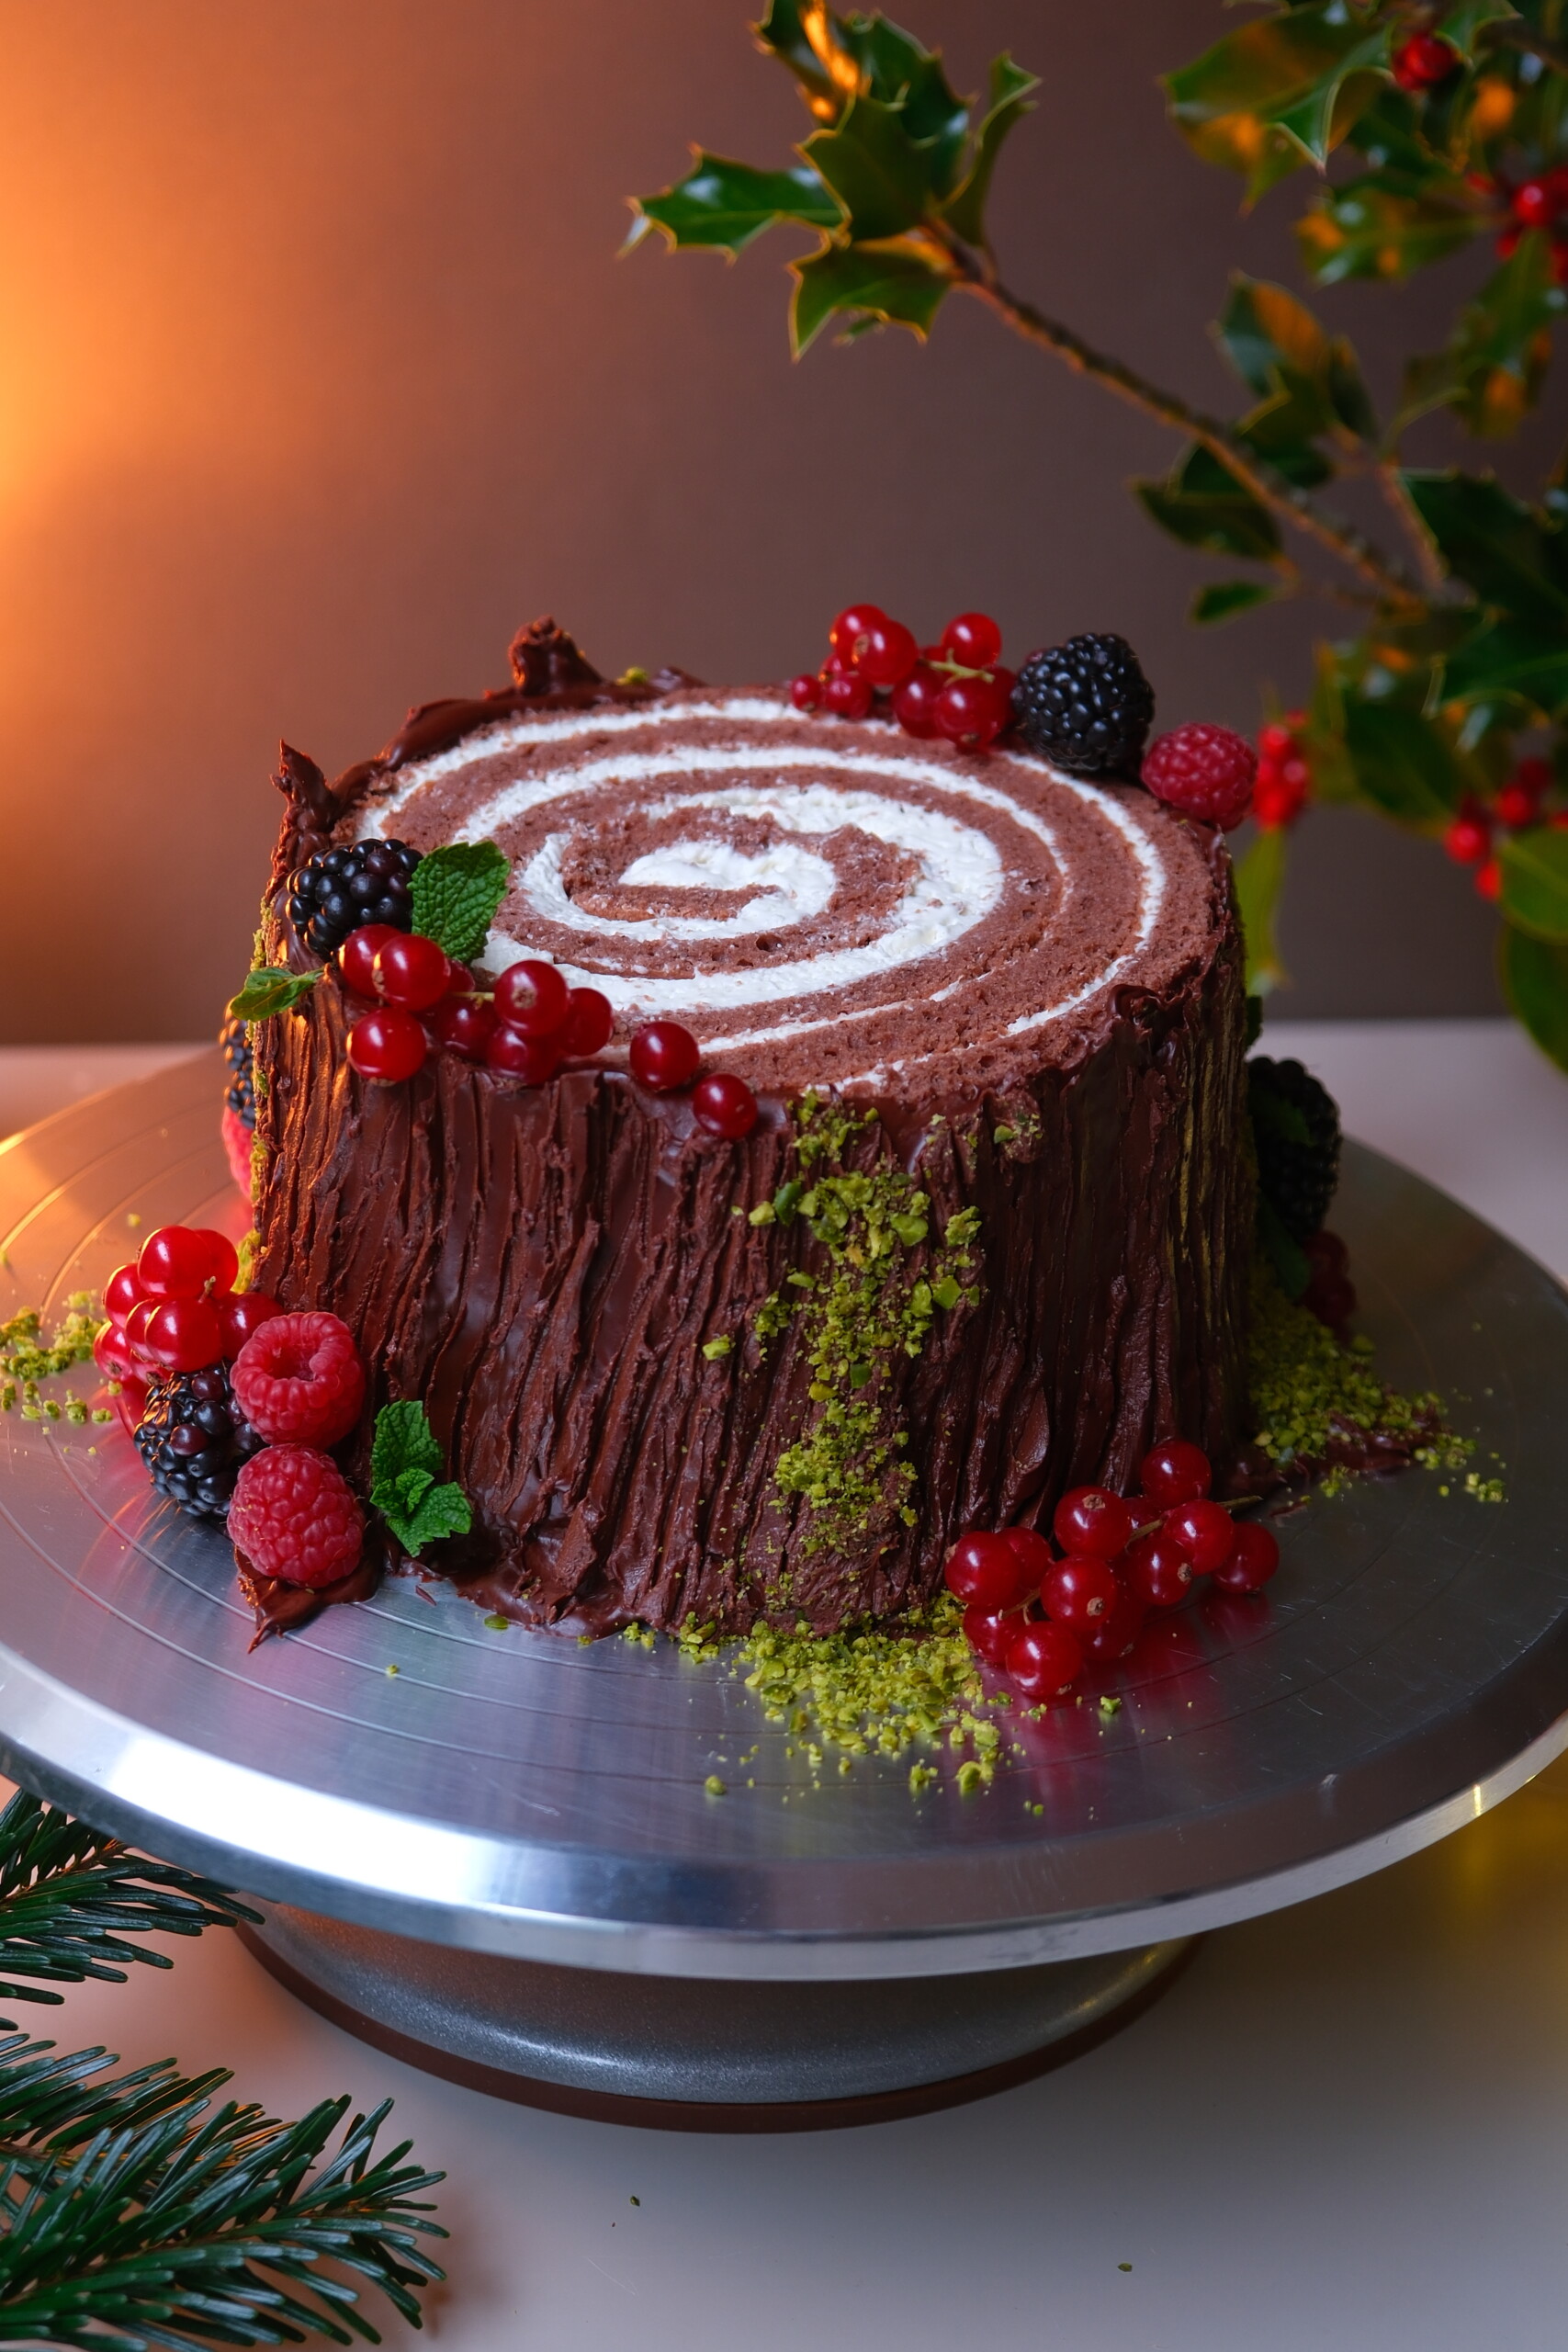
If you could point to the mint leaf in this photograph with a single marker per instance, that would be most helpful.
(455, 893)
(271, 991)
(405, 1462)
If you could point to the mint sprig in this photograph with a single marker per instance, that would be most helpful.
(455, 893)
(271, 991)
(406, 1468)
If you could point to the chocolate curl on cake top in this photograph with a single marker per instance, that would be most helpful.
(825, 903)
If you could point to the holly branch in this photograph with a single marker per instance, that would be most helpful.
(1425, 128)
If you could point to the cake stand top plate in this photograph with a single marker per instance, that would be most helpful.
(529, 1794)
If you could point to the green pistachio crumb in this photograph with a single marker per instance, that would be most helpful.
(498, 1623)
(133, 1221)
(714, 1349)
(1484, 1490)
(394, 1669)
(635, 676)
(970, 1779)
(714, 1786)
(1110, 1706)
(762, 1213)
(1003, 1134)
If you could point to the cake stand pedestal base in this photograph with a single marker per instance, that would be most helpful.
(709, 2054)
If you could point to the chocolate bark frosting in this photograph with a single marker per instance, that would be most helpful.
(1017, 994)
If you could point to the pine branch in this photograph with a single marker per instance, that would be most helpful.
(69, 1897)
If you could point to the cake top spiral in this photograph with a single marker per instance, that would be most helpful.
(824, 903)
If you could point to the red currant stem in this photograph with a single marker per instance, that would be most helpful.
(974, 273)
(1514, 33)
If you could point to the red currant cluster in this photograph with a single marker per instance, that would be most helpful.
(1043, 1620)
(175, 1309)
(1471, 838)
(1539, 203)
(958, 688)
(1284, 774)
(1423, 61)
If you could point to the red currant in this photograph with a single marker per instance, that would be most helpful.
(388, 1045)
(531, 996)
(1468, 840)
(356, 956)
(136, 1324)
(184, 1334)
(1115, 1634)
(532, 1059)
(886, 654)
(725, 1105)
(464, 1025)
(848, 695)
(409, 970)
(663, 1056)
(973, 640)
(1043, 1660)
(806, 691)
(914, 702)
(1255, 1555)
(122, 1292)
(112, 1353)
(243, 1312)
(1157, 1570)
(1205, 1531)
(971, 713)
(990, 1631)
(1176, 1473)
(178, 1261)
(588, 1023)
(1080, 1594)
(1093, 1522)
(1034, 1556)
(985, 1570)
(852, 625)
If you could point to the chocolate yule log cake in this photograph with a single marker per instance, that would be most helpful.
(974, 1228)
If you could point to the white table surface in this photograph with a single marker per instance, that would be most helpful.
(1346, 2126)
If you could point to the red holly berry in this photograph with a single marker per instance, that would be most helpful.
(464, 1025)
(1205, 1531)
(990, 1631)
(1175, 1473)
(1534, 204)
(293, 1516)
(1034, 1555)
(1043, 1660)
(242, 1313)
(299, 1380)
(1157, 1570)
(1093, 1522)
(914, 702)
(1275, 742)
(848, 695)
(122, 1292)
(663, 1056)
(984, 1568)
(1205, 772)
(356, 956)
(1516, 806)
(1468, 840)
(974, 639)
(1489, 879)
(1422, 61)
(531, 996)
(1254, 1557)
(183, 1335)
(850, 626)
(887, 653)
(409, 970)
(806, 691)
(1505, 244)
(387, 1045)
(1080, 1594)
(971, 712)
(532, 1059)
(1534, 777)
(588, 1023)
(725, 1105)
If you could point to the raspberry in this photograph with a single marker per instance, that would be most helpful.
(1204, 771)
(292, 1514)
(299, 1380)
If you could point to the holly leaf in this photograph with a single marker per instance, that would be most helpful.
(883, 180)
(405, 1464)
(1510, 659)
(1009, 102)
(1308, 382)
(1494, 543)
(1203, 505)
(271, 991)
(798, 37)
(457, 891)
(1374, 226)
(886, 285)
(1535, 980)
(1535, 882)
(1496, 358)
(1403, 762)
(896, 68)
(1226, 600)
(1259, 879)
(725, 205)
(1280, 90)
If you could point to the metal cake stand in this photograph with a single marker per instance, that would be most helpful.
(504, 1861)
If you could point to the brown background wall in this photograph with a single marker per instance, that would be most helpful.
(318, 373)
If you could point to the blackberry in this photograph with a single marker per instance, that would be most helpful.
(1087, 706)
(193, 1438)
(1296, 1125)
(336, 892)
(241, 1098)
